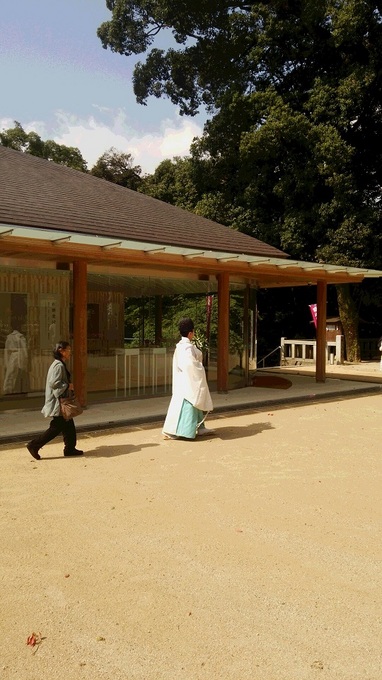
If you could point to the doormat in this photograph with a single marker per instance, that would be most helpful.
(273, 381)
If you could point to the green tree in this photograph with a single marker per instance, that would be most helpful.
(64, 155)
(179, 181)
(16, 138)
(214, 41)
(117, 167)
(171, 182)
(190, 183)
(295, 92)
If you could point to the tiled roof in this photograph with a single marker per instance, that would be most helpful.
(38, 193)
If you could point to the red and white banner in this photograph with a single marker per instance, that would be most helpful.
(313, 311)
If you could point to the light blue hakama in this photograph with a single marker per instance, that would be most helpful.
(190, 419)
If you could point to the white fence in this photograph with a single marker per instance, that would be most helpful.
(294, 352)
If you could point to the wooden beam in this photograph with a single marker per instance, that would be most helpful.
(266, 275)
(80, 346)
(321, 332)
(223, 332)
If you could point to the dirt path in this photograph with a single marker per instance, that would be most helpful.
(253, 555)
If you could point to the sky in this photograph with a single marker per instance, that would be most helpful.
(56, 79)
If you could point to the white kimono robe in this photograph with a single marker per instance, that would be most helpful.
(16, 364)
(188, 382)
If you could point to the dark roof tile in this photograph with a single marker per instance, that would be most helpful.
(38, 193)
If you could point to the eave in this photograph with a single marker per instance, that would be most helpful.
(145, 256)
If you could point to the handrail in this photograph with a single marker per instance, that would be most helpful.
(268, 355)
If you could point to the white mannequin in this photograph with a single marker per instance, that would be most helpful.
(16, 364)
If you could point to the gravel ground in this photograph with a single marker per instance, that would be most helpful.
(253, 554)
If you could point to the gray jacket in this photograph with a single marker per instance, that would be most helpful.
(56, 385)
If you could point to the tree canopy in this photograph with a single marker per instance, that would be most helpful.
(16, 138)
(113, 165)
(117, 167)
(294, 90)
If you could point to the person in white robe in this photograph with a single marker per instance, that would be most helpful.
(191, 400)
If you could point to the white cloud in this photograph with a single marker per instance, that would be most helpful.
(93, 136)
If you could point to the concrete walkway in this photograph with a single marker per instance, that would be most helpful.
(342, 382)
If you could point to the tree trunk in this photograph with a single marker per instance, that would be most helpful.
(350, 320)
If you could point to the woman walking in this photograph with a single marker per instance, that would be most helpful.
(58, 382)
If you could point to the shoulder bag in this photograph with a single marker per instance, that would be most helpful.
(70, 406)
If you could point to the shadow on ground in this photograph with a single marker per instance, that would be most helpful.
(235, 432)
(102, 452)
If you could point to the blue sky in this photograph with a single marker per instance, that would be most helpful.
(56, 79)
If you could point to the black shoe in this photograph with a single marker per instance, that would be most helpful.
(33, 451)
(75, 452)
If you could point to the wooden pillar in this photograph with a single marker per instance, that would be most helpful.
(246, 338)
(253, 326)
(80, 340)
(321, 332)
(223, 332)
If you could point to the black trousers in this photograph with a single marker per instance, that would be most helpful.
(58, 425)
